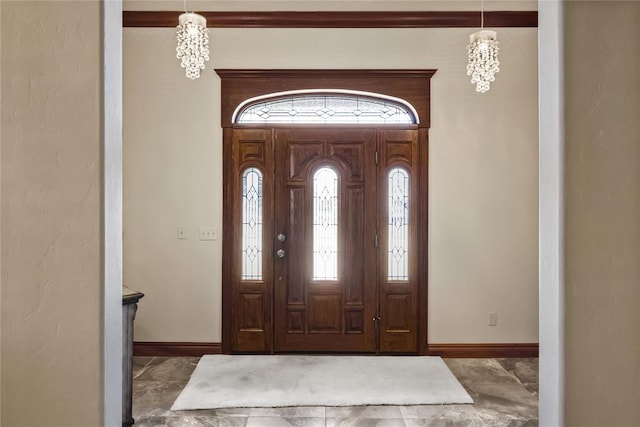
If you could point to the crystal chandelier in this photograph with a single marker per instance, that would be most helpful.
(193, 43)
(483, 56)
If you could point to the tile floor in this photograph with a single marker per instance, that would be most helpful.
(505, 392)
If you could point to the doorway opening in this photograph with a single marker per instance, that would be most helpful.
(325, 213)
(550, 84)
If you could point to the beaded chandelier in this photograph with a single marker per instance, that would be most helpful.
(483, 57)
(193, 43)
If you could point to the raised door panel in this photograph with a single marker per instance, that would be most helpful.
(325, 315)
(300, 155)
(397, 313)
(250, 322)
(296, 245)
(351, 157)
(251, 309)
(355, 240)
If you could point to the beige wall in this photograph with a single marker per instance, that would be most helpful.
(51, 228)
(483, 174)
(602, 92)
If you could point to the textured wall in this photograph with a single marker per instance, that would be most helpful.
(483, 174)
(51, 214)
(602, 93)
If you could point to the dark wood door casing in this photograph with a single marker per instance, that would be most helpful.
(249, 307)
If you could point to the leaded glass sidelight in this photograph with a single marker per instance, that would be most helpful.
(328, 108)
(398, 218)
(252, 224)
(325, 224)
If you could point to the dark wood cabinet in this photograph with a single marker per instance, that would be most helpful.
(130, 300)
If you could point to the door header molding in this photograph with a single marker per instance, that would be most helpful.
(412, 86)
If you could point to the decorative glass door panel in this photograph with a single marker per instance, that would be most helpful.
(252, 231)
(325, 205)
(398, 224)
(325, 224)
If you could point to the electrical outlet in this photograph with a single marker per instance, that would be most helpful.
(182, 232)
(493, 318)
(208, 233)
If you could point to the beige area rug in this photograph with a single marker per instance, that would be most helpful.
(222, 381)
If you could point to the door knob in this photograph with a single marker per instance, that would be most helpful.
(280, 253)
(281, 237)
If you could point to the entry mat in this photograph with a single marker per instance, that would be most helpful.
(224, 381)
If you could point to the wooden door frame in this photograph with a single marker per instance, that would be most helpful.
(412, 86)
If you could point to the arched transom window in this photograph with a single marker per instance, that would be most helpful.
(327, 106)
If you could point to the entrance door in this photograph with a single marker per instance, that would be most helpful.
(294, 180)
(322, 249)
(325, 281)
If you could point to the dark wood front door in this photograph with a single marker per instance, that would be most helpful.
(340, 252)
(325, 274)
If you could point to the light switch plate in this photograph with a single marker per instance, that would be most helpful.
(208, 233)
(493, 318)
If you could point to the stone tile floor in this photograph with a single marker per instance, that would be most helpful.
(505, 392)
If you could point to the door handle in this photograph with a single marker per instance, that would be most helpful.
(281, 237)
(280, 253)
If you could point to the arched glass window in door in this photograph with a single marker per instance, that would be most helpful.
(327, 106)
(325, 224)
(398, 224)
(252, 224)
